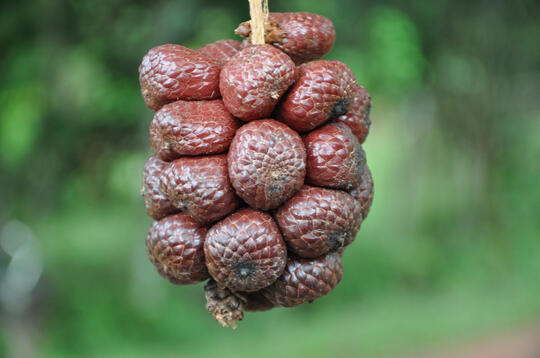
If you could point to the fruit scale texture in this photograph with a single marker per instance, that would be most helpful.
(258, 182)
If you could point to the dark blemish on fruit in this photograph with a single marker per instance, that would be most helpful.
(340, 108)
(337, 239)
(244, 269)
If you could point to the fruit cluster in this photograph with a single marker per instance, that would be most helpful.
(259, 180)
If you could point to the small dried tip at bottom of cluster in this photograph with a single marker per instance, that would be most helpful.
(226, 307)
(323, 91)
(172, 72)
(245, 251)
(200, 187)
(303, 36)
(364, 192)
(305, 280)
(156, 202)
(192, 128)
(267, 163)
(175, 245)
(318, 220)
(221, 51)
(254, 79)
(335, 158)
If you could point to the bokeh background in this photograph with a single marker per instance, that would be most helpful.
(450, 252)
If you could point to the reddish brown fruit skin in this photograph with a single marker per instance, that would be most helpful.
(266, 163)
(335, 158)
(192, 128)
(175, 245)
(252, 82)
(157, 204)
(245, 251)
(200, 187)
(323, 90)
(221, 51)
(301, 35)
(317, 220)
(357, 116)
(305, 280)
(257, 302)
(172, 72)
(364, 192)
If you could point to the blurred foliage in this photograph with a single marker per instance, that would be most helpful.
(451, 248)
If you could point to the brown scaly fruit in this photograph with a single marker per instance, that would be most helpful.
(335, 158)
(221, 51)
(301, 35)
(305, 280)
(157, 204)
(364, 192)
(254, 79)
(317, 220)
(200, 187)
(172, 72)
(323, 91)
(267, 163)
(357, 116)
(175, 247)
(192, 128)
(245, 251)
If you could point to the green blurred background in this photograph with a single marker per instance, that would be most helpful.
(450, 251)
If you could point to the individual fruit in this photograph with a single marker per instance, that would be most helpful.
(200, 187)
(221, 51)
(245, 251)
(192, 128)
(323, 91)
(301, 35)
(364, 192)
(335, 158)
(357, 115)
(175, 247)
(156, 202)
(254, 79)
(305, 280)
(172, 72)
(267, 163)
(317, 220)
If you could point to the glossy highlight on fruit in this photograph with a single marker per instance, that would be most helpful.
(317, 220)
(175, 247)
(245, 251)
(172, 72)
(267, 163)
(254, 79)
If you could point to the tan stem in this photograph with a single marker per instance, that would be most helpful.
(258, 10)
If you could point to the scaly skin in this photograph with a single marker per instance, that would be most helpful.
(305, 280)
(172, 72)
(335, 158)
(192, 128)
(200, 187)
(266, 163)
(364, 192)
(323, 91)
(175, 245)
(317, 220)
(252, 82)
(221, 51)
(301, 35)
(245, 251)
(357, 116)
(157, 204)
